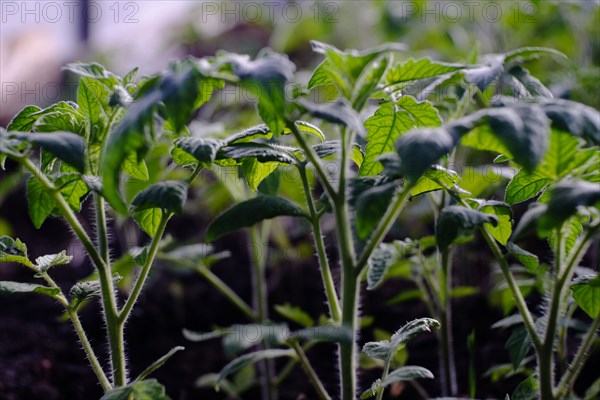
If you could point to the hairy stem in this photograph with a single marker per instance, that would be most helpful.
(568, 380)
(384, 374)
(260, 302)
(447, 350)
(330, 292)
(108, 295)
(383, 227)
(310, 372)
(109, 301)
(143, 275)
(85, 342)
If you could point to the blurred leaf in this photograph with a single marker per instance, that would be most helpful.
(435, 178)
(294, 313)
(251, 358)
(455, 221)
(586, 293)
(167, 195)
(565, 198)
(13, 250)
(529, 260)
(518, 345)
(19, 287)
(379, 262)
(250, 212)
(148, 389)
(527, 389)
(339, 112)
(423, 68)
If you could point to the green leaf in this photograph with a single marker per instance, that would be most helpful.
(167, 195)
(148, 389)
(203, 150)
(384, 349)
(261, 131)
(502, 231)
(455, 221)
(149, 220)
(19, 287)
(40, 204)
(68, 147)
(586, 293)
(251, 358)
(530, 53)
(388, 123)
(518, 345)
(325, 333)
(435, 178)
(44, 263)
(135, 167)
(561, 155)
(24, 120)
(576, 118)
(369, 79)
(378, 265)
(294, 313)
(523, 131)
(339, 112)
(331, 147)
(344, 68)
(62, 116)
(13, 250)
(371, 205)
(266, 76)
(524, 186)
(405, 373)
(565, 199)
(73, 188)
(420, 148)
(423, 68)
(529, 260)
(531, 84)
(527, 390)
(262, 152)
(255, 172)
(94, 71)
(92, 97)
(250, 212)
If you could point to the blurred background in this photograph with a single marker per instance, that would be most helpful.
(39, 357)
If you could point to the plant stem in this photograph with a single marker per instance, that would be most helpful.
(89, 351)
(448, 367)
(108, 296)
(312, 375)
(85, 342)
(109, 301)
(383, 228)
(288, 368)
(514, 289)
(218, 284)
(141, 278)
(260, 302)
(568, 380)
(384, 374)
(314, 159)
(330, 292)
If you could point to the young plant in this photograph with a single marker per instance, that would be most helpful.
(84, 148)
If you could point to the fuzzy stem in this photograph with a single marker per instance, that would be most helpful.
(308, 369)
(289, 367)
(141, 278)
(108, 296)
(384, 374)
(260, 302)
(332, 298)
(85, 342)
(383, 228)
(568, 380)
(447, 350)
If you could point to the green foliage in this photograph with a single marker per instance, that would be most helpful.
(139, 390)
(586, 293)
(249, 212)
(455, 221)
